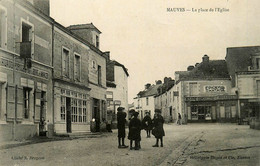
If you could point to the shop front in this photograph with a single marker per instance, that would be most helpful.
(211, 109)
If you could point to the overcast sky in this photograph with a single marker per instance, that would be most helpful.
(153, 43)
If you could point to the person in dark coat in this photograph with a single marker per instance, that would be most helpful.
(158, 130)
(121, 127)
(179, 119)
(147, 124)
(135, 131)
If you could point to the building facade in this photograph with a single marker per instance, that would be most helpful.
(205, 94)
(97, 70)
(26, 69)
(244, 68)
(117, 87)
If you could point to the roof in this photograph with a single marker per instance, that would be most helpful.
(84, 26)
(119, 64)
(214, 69)
(151, 91)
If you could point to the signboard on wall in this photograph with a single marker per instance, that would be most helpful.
(215, 88)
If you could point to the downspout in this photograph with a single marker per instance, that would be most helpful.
(52, 52)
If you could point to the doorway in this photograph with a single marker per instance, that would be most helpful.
(96, 113)
(68, 114)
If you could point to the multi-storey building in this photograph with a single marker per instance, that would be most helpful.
(164, 100)
(96, 70)
(117, 87)
(204, 93)
(244, 68)
(145, 100)
(26, 68)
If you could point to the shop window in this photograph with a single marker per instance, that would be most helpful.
(63, 108)
(77, 67)
(84, 111)
(65, 62)
(3, 27)
(26, 95)
(80, 110)
(99, 75)
(74, 113)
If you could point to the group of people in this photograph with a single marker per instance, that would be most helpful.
(136, 125)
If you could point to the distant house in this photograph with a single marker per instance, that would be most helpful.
(145, 101)
(204, 93)
(244, 67)
(117, 86)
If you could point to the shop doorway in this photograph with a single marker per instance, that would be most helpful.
(68, 114)
(96, 113)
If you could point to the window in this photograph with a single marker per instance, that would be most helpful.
(97, 41)
(26, 41)
(74, 108)
(258, 87)
(65, 62)
(84, 111)
(80, 110)
(147, 101)
(99, 75)
(77, 68)
(193, 89)
(257, 63)
(26, 96)
(62, 108)
(3, 28)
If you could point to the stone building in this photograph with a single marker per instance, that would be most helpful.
(204, 93)
(145, 100)
(117, 87)
(96, 70)
(164, 100)
(244, 67)
(26, 69)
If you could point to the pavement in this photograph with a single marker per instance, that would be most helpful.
(192, 144)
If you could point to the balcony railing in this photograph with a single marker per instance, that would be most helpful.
(24, 49)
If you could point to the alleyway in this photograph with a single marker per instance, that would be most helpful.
(193, 144)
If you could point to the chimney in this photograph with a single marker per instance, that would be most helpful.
(107, 55)
(42, 5)
(158, 82)
(205, 59)
(189, 68)
(148, 85)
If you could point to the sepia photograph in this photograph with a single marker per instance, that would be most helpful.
(127, 83)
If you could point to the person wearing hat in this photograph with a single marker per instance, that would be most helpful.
(158, 130)
(147, 124)
(135, 131)
(121, 127)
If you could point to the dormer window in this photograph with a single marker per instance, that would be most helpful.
(97, 41)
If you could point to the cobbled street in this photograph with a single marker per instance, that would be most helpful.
(192, 144)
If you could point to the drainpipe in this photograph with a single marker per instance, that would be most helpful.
(238, 101)
(15, 104)
(52, 52)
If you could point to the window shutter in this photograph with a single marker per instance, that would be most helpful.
(37, 113)
(20, 103)
(10, 102)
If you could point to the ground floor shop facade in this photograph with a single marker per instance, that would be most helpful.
(25, 98)
(212, 109)
(71, 107)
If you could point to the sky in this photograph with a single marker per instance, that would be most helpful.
(153, 43)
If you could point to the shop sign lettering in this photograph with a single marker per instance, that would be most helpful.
(214, 88)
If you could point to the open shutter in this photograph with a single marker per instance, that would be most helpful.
(10, 102)
(20, 103)
(37, 113)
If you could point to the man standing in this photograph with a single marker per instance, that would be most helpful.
(121, 127)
